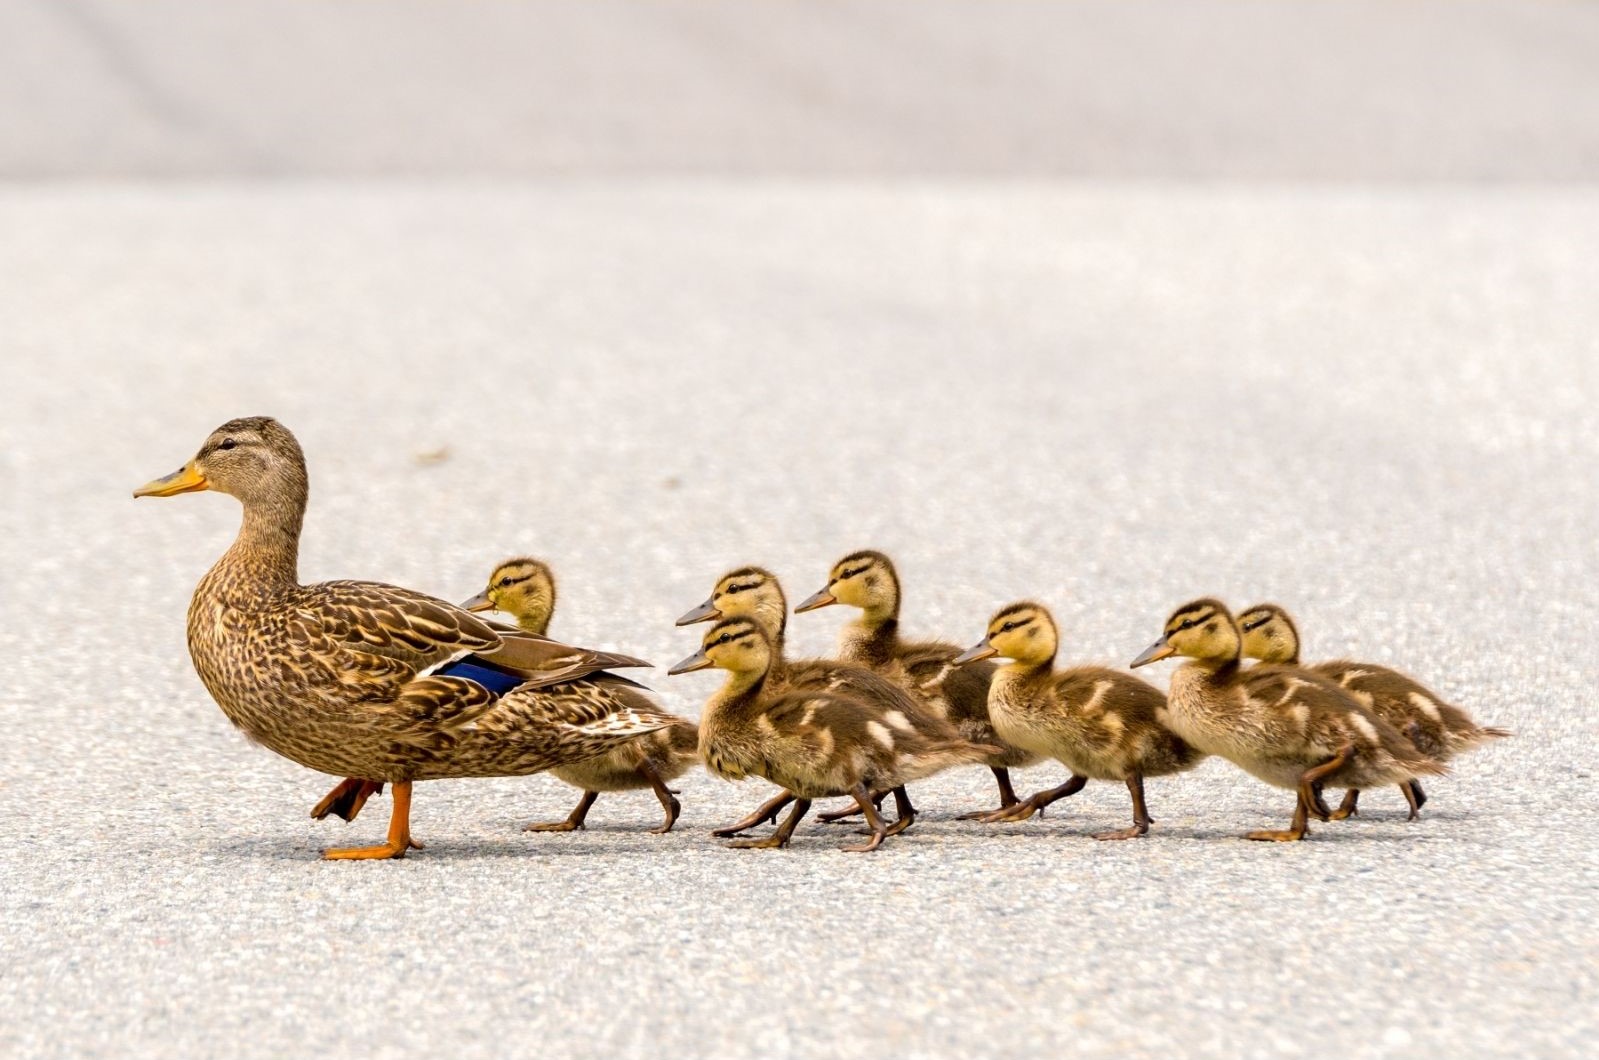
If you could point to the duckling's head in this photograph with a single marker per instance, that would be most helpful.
(523, 588)
(255, 459)
(737, 645)
(866, 580)
(1269, 634)
(749, 592)
(1203, 630)
(1024, 633)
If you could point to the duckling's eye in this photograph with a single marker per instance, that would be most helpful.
(504, 583)
(731, 589)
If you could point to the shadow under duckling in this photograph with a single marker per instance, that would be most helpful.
(1438, 729)
(867, 580)
(524, 588)
(755, 593)
(1285, 725)
(1099, 723)
(813, 743)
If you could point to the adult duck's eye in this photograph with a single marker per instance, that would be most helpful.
(227, 443)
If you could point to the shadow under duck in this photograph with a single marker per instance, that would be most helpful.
(524, 588)
(868, 580)
(1283, 724)
(814, 743)
(1438, 729)
(755, 593)
(371, 681)
(1099, 723)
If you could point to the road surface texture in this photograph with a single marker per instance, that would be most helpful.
(1375, 407)
(1107, 304)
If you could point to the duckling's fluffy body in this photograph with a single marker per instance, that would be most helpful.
(525, 589)
(1282, 724)
(813, 743)
(1099, 723)
(868, 580)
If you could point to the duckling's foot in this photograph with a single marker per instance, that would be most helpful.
(347, 798)
(766, 812)
(399, 840)
(834, 816)
(785, 831)
(1347, 808)
(1141, 818)
(905, 814)
(1007, 797)
(1414, 796)
(1036, 802)
(875, 821)
(1131, 832)
(1311, 780)
(574, 820)
(668, 802)
(1297, 828)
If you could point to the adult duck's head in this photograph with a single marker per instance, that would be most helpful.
(523, 588)
(255, 459)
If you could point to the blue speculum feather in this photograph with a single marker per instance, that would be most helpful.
(475, 669)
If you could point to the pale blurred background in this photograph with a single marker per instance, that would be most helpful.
(1111, 304)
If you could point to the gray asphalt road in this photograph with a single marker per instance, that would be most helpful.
(1364, 90)
(1377, 408)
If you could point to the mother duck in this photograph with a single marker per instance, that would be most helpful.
(370, 681)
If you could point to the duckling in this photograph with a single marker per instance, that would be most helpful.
(366, 680)
(1439, 730)
(524, 588)
(1285, 725)
(867, 580)
(814, 743)
(755, 593)
(1099, 723)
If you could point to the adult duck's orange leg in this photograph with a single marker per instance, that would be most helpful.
(399, 832)
(347, 798)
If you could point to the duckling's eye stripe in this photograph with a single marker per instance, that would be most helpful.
(845, 575)
(1250, 627)
(508, 581)
(731, 589)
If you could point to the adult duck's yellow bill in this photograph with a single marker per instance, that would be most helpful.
(184, 480)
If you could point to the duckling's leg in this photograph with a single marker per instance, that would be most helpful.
(347, 798)
(766, 811)
(1348, 807)
(1311, 779)
(1141, 818)
(668, 801)
(778, 839)
(874, 821)
(833, 816)
(1035, 803)
(399, 832)
(1007, 796)
(906, 812)
(574, 820)
(1415, 796)
(1297, 830)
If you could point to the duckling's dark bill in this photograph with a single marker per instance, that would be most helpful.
(816, 600)
(698, 661)
(480, 602)
(706, 612)
(1154, 653)
(983, 650)
(184, 480)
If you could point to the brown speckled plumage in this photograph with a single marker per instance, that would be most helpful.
(335, 676)
(525, 589)
(868, 580)
(1437, 728)
(1285, 725)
